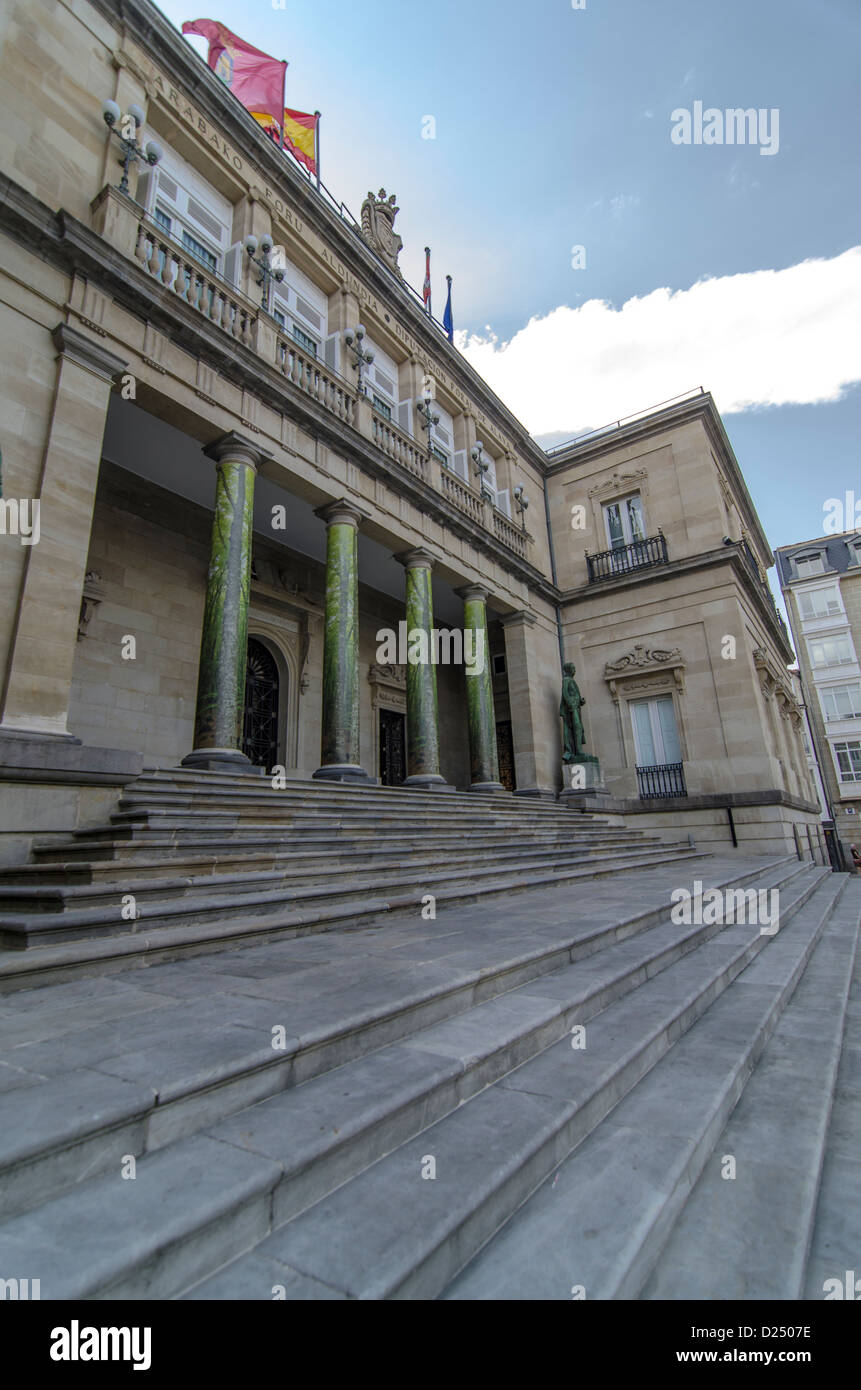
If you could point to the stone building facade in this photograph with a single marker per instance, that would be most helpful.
(233, 506)
(821, 584)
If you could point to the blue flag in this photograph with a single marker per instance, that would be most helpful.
(447, 319)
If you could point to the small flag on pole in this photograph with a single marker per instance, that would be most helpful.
(447, 318)
(254, 78)
(426, 292)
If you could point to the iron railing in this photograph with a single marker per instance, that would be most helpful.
(623, 559)
(666, 779)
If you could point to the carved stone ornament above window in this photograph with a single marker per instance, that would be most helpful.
(620, 482)
(658, 665)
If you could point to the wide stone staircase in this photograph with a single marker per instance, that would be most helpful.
(530, 1095)
(200, 861)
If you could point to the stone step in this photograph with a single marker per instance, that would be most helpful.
(524, 1025)
(600, 1222)
(833, 1265)
(212, 922)
(97, 840)
(51, 1120)
(748, 1237)
(300, 872)
(389, 1233)
(328, 855)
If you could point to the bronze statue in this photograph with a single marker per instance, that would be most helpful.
(572, 724)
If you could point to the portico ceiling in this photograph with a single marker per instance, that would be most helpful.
(155, 450)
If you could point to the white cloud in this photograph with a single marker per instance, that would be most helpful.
(769, 337)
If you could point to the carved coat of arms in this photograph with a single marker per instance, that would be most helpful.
(378, 229)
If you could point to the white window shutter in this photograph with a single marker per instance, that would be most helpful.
(405, 417)
(332, 352)
(459, 465)
(233, 264)
(146, 184)
(503, 502)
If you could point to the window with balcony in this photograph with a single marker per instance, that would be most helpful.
(189, 211)
(841, 701)
(806, 566)
(831, 651)
(660, 770)
(820, 603)
(299, 307)
(624, 521)
(848, 755)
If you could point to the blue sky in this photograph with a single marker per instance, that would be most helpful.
(553, 131)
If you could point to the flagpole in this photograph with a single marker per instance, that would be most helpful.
(428, 306)
(317, 146)
(283, 102)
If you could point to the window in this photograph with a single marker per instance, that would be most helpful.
(830, 651)
(656, 738)
(819, 603)
(187, 209)
(440, 454)
(498, 664)
(382, 407)
(199, 251)
(304, 340)
(808, 565)
(841, 701)
(624, 521)
(848, 754)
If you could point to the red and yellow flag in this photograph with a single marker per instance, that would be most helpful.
(300, 134)
(255, 78)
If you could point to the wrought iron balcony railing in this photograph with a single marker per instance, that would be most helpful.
(624, 559)
(667, 779)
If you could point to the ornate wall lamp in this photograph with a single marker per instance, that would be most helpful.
(521, 502)
(354, 339)
(481, 469)
(429, 417)
(268, 272)
(149, 154)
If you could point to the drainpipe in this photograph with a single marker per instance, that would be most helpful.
(553, 575)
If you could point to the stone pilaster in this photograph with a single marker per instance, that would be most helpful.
(39, 679)
(532, 666)
(422, 708)
(484, 762)
(224, 640)
(340, 731)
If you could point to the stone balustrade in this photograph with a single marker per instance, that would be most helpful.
(174, 268)
(192, 282)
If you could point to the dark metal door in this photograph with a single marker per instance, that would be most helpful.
(260, 720)
(392, 748)
(505, 754)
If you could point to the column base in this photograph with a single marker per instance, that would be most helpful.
(428, 782)
(486, 787)
(538, 793)
(345, 772)
(220, 760)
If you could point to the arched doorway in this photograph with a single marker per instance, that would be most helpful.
(261, 719)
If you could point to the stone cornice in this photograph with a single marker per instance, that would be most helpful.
(690, 564)
(700, 407)
(70, 244)
(143, 24)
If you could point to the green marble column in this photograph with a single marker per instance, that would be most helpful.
(422, 709)
(340, 716)
(224, 639)
(481, 718)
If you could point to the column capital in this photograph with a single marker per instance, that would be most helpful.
(237, 447)
(344, 512)
(522, 618)
(81, 350)
(474, 592)
(417, 559)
